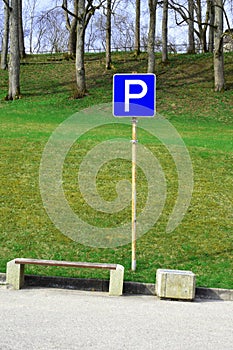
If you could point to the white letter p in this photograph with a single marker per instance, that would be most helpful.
(129, 96)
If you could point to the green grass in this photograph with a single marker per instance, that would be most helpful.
(203, 242)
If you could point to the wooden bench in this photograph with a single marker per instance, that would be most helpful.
(15, 271)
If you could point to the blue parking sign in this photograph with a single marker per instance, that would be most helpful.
(134, 95)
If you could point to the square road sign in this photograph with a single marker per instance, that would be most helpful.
(134, 95)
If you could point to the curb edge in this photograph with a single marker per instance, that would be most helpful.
(89, 284)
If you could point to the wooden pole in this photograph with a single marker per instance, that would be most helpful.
(134, 192)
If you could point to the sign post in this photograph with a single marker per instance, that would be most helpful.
(134, 192)
(134, 96)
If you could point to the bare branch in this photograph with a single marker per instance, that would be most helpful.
(7, 5)
(90, 10)
(186, 17)
(45, 13)
(64, 7)
(66, 15)
(223, 9)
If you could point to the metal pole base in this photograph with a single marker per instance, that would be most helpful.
(134, 265)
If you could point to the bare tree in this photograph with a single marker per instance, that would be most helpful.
(219, 81)
(123, 33)
(190, 20)
(31, 23)
(79, 65)
(49, 33)
(137, 27)
(5, 41)
(108, 34)
(94, 35)
(165, 31)
(14, 63)
(71, 25)
(122, 27)
(55, 36)
(85, 10)
(151, 36)
(21, 34)
(201, 21)
(202, 27)
(211, 26)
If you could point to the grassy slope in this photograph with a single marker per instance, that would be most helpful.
(202, 243)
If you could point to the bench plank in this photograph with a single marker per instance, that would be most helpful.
(104, 266)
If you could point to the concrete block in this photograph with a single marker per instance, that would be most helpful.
(116, 281)
(175, 284)
(15, 274)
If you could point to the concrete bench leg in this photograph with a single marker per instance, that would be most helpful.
(116, 281)
(15, 274)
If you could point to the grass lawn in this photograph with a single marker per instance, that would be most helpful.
(203, 242)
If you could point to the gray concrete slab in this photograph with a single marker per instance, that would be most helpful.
(46, 319)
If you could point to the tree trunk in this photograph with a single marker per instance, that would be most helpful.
(204, 42)
(164, 31)
(14, 64)
(108, 34)
(71, 27)
(83, 15)
(219, 81)
(21, 34)
(5, 40)
(72, 38)
(73, 31)
(31, 8)
(151, 36)
(191, 42)
(211, 27)
(137, 28)
(202, 30)
(79, 64)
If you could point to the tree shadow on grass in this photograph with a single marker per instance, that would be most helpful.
(49, 90)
